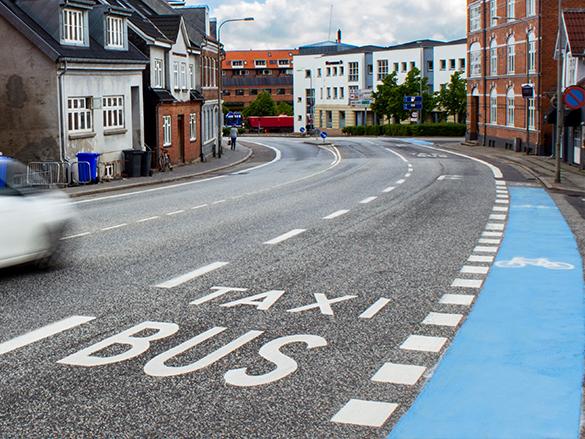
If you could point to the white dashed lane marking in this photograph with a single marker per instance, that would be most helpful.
(285, 236)
(375, 308)
(336, 214)
(492, 234)
(199, 207)
(368, 200)
(423, 343)
(489, 241)
(144, 220)
(457, 299)
(78, 235)
(442, 319)
(391, 373)
(105, 229)
(400, 181)
(389, 189)
(179, 280)
(365, 413)
(474, 269)
(480, 258)
(176, 212)
(485, 249)
(467, 283)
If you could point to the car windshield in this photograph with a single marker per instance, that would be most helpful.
(15, 179)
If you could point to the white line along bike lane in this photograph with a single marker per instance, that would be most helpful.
(515, 368)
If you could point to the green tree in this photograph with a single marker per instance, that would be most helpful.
(284, 108)
(412, 86)
(263, 105)
(453, 97)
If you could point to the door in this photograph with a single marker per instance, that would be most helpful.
(474, 119)
(181, 128)
(136, 118)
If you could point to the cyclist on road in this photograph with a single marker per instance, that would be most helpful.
(233, 137)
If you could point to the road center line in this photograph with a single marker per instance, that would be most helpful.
(219, 202)
(152, 218)
(389, 189)
(285, 236)
(199, 207)
(336, 214)
(368, 200)
(42, 333)
(105, 229)
(179, 280)
(176, 212)
(79, 235)
(400, 181)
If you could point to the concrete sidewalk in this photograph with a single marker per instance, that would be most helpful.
(228, 159)
(542, 168)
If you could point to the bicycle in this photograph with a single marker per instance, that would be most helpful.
(164, 161)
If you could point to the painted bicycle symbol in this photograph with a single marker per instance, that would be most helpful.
(520, 262)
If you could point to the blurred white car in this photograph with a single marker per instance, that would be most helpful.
(33, 218)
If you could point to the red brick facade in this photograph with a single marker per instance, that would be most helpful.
(182, 148)
(487, 87)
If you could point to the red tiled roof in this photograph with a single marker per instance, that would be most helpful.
(575, 23)
(249, 56)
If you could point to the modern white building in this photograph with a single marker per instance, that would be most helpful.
(342, 82)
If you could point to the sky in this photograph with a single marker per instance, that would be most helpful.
(283, 24)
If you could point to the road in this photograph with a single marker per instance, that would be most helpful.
(309, 294)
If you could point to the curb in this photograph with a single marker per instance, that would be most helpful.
(153, 183)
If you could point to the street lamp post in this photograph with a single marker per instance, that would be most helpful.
(422, 67)
(560, 105)
(218, 79)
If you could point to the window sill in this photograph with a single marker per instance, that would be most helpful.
(76, 136)
(115, 131)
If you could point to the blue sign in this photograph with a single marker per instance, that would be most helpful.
(302, 130)
(323, 135)
(412, 99)
(415, 106)
(233, 119)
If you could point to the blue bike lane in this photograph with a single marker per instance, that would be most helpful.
(515, 368)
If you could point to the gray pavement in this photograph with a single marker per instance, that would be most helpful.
(366, 228)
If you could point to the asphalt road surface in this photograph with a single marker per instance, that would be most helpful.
(255, 303)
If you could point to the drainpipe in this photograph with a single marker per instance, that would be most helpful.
(62, 155)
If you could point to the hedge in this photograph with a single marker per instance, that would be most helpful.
(427, 130)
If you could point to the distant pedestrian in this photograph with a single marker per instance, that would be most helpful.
(233, 137)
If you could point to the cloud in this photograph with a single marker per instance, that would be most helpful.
(292, 23)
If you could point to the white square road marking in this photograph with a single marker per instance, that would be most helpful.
(494, 226)
(366, 413)
(457, 299)
(503, 201)
(467, 283)
(500, 183)
(498, 216)
(506, 196)
(502, 191)
(423, 343)
(474, 269)
(500, 209)
(492, 234)
(489, 241)
(480, 258)
(399, 374)
(442, 319)
(485, 249)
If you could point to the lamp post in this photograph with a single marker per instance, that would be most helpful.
(218, 79)
(422, 69)
(560, 104)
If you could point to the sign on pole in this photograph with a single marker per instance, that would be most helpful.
(527, 90)
(574, 97)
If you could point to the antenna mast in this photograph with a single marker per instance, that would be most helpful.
(330, 23)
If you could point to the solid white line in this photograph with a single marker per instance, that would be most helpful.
(176, 212)
(79, 235)
(389, 189)
(192, 275)
(148, 219)
(375, 308)
(285, 236)
(336, 214)
(368, 200)
(42, 333)
(129, 194)
(105, 229)
(199, 207)
(276, 158)
(396, 154)
(474, 269)
(400, 181)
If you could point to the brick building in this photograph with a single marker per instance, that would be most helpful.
(511, 43)
(246, 73)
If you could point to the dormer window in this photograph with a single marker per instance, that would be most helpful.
(73, 31)
(115, 32)
(260, 63)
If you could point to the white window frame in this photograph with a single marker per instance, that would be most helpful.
(353, 72)
(510, 107)
(73, 26)
(176, 84)
(531, 113)
(494, 106)
(511, 9)
(167, 131)
(260, 63)
(341, 92)
(79, 115)
(158, 67)
(475, 18)
(493, 57)
(475, 60)
(511, 55)
(382, 69)
(191, 76)
(193, 127)
(237, 63)
(531, 52)
(493, 13)
(113, 112)
(530, 8)
(115, 32)
(183, 76)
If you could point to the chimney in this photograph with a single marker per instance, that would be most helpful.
(339, 35)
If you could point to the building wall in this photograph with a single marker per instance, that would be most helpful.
(102, 82)
(29, 103)
(191, 148)
(448, 52)
(544, 27)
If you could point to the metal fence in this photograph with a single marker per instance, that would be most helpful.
(54, 174)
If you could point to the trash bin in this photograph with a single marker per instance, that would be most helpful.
(132, 162)
(3, 171)
(146, 170)
(86, 173)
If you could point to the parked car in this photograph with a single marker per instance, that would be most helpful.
(33, 217)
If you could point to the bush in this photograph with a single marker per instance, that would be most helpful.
(425, 130)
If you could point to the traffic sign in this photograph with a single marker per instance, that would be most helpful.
(574, 97)
(323, 135)
(233, 119)
(412, 99)
(412, 106)
(303, 130)
(527, 90)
